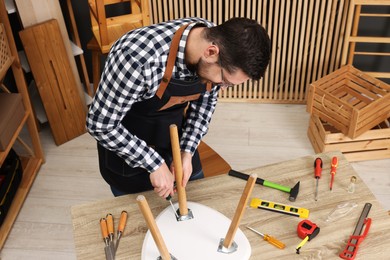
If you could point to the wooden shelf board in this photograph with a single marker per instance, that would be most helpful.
(3, 154)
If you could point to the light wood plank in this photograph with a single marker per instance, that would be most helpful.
(37, 11)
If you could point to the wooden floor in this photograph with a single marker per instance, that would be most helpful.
(245, 135)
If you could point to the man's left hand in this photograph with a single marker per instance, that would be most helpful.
(186, 161)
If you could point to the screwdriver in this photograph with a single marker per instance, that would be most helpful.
(121, 228)
(335, 162)
(169, 198)
(269, 239)
(317, 174)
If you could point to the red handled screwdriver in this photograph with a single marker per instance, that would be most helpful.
(333, 168)
(317, 173)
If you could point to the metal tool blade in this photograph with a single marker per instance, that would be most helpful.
(257, 232)
(112, 249)
(108, 252)
(359, 225)
(117, 241)
(173, 208)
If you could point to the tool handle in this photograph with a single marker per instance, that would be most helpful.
(181, 192)
(318, 168)
(122, 221)
(274, 241)
(110, 224)
(244, 176)
(351, 249)
(276, 186)
(103, 227)
(260, 181)
(335, 162)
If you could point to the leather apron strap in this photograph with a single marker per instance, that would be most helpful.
(171, 61)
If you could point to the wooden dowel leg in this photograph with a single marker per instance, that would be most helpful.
(239, 211)
(181, 192)
(151, 223)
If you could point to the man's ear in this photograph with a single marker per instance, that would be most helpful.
(211, 53)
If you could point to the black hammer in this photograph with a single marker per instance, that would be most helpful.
(292, 191)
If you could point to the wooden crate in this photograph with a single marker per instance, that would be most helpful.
(350, 100)
(373, 144)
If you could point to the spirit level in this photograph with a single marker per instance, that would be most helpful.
(278, 207)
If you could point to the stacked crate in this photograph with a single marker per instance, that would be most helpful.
(350, 112)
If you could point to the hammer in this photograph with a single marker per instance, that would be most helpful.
(292, 191)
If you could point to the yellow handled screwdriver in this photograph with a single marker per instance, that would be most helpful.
(269, 239)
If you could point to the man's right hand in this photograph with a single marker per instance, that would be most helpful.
(162, 180)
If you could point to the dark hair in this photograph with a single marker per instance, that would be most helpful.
(243, 43)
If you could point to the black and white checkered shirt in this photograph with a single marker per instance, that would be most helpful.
(132, 73)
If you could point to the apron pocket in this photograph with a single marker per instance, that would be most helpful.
(117, 165)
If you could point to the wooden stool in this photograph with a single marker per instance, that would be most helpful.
(107, 30)
(212, 163)
(96, 62)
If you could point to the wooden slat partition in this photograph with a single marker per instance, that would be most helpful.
(307, 39)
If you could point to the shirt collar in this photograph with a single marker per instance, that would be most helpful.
(181, 66)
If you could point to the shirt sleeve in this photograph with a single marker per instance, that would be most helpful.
(198, 119)
(123, 82)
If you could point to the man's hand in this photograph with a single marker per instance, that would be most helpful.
(162, 180)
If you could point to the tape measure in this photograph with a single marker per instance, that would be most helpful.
(280, 208)
(306, 230)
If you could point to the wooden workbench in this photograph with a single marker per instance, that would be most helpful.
(223, 192)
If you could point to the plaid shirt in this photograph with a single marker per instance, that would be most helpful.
(132, 73)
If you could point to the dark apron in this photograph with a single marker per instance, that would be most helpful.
(149, 120)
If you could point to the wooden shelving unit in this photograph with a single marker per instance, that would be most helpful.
(32, 163)
(352, 39)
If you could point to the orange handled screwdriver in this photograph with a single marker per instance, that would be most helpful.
(269, 239)
(335, 162)
(317, 173)
(121, 228)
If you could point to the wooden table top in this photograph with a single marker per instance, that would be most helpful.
(223, 193)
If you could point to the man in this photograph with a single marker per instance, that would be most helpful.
(151, 76)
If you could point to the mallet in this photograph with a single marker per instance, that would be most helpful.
(292, 191)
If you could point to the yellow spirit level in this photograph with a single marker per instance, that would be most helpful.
(278, 207)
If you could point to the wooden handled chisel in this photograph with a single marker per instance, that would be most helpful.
(121, 228)
(110, 228)
(107, 249)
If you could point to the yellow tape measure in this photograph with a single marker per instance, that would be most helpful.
(278, 207)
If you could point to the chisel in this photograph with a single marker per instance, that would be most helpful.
(121, 228)
(107, 249)
(110, 228)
